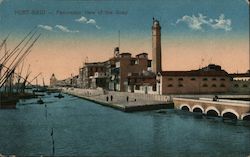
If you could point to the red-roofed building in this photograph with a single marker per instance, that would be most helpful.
(125, 65)
(211, 79)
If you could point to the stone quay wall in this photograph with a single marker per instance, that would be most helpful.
(121, 95)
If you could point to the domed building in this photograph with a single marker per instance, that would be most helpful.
(53, 80)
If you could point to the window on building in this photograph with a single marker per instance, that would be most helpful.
(222, 85)
(193, 79)
(149, 63)
(117, 64)
(170, 85)
(204, 85)
(236, 85)
(213, 85)
(180, 85)
(180, 79)
(214, 79)
(222, 79)
(204, 79)
(170, 79)
(137, 62)
(154, 87)
(244, 85)
(132, 62)
(137, 87)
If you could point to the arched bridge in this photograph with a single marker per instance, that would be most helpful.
(220, 107)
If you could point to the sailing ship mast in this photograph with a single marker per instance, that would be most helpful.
(9, 62)
(16, 60)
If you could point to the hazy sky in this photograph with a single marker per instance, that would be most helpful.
(194, 32)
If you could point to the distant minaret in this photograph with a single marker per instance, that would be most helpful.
(53, 80)
(156, 46)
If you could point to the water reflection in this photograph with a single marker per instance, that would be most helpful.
(157, 136)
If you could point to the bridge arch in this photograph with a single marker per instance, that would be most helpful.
(212, 108)
(196, 108)
(185, 107)
(230, 111)
(245, 116)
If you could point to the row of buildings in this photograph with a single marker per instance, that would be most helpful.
(126, 73)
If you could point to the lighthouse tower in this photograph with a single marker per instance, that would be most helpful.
(156, 46)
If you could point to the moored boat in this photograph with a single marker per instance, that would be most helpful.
(40, 101)
(59, 96)
(8, 102)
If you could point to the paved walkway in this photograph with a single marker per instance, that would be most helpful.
(120, 102)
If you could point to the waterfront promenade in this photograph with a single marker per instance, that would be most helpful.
(130, 102)
(124, 101)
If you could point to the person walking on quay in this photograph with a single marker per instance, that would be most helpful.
(127, 98)
(111, 98)
(107, 98)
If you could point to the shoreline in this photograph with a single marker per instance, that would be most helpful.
(133, 105)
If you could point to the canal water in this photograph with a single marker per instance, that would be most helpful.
(83, 128)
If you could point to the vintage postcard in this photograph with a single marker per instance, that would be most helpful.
(120, 78)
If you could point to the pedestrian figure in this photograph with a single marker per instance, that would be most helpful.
(111, 98)
(107, 98)
(135, 99)
(215, 98)
(127, 98)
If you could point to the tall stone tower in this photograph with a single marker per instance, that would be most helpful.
(156, 46)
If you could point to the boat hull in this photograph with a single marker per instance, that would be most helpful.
(8, 103)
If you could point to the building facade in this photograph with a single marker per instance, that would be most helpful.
(125, 65)
(240, 83)
(112, 74)
(211, 79)
(139, 74)
(92, 73)
(68, 82)
(143, 83)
